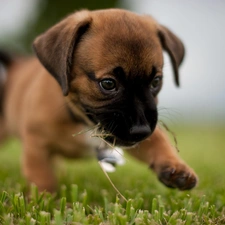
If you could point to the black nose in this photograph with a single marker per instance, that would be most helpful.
(139, 133)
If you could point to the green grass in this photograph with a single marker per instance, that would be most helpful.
(85, 196)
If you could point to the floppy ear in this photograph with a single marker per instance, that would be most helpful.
(174, 47)
(55, 48)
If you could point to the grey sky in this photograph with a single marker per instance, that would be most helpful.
(14, 14)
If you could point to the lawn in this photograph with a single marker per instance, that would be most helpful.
(85, 195)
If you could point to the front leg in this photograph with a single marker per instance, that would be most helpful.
(163, 159)
(37, 164)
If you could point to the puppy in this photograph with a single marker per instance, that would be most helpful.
(99, 70)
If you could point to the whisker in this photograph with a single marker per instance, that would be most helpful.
(101, 137)
(86, 130)
(114, 141)
(171, 111)
(167, 118)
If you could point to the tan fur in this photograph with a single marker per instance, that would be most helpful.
(36, 110)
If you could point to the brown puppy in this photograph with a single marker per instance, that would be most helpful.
(97, 69)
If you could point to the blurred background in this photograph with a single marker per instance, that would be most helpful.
(199, 23)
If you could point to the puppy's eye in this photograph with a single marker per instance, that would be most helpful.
(156, 83)
(108, 84)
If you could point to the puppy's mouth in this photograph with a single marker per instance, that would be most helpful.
(117, 132)
(114, 141)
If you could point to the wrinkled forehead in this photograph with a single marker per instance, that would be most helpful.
(130, 41)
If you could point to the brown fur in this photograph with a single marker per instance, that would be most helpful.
(71, 51)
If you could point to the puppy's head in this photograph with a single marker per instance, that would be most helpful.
(109, 64)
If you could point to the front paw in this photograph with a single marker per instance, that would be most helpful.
(177, 176)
